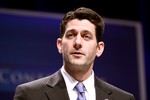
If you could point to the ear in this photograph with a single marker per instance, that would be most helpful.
(59, 45)
(100, 49)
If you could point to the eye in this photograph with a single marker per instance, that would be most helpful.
(70, 35)
(87, 36)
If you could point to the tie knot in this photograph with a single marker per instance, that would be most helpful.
(80, 87)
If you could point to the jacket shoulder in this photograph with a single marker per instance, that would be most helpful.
(114, 91)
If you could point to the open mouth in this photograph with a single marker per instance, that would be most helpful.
(77, 54)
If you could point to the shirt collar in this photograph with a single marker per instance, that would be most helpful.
(89, 83)
(71, 82)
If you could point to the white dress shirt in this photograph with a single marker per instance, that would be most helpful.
(71, 83)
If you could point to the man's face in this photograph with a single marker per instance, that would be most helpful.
(79, 46)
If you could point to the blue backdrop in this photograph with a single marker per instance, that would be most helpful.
(28, 52)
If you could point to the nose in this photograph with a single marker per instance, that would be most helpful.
(78, 42)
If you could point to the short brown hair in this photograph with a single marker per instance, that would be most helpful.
(84, 13)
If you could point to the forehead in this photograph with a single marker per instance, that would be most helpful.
(80, 25)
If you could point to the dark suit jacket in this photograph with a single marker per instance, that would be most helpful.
(53, 88)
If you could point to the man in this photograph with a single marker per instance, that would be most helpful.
(80, 43)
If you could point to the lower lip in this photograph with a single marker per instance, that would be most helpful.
(77, 55)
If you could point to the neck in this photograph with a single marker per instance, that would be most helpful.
(79, 75)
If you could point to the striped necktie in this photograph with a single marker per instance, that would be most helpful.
(81, 94)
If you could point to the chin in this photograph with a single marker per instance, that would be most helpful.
(78, 63)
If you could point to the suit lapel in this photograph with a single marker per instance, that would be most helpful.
(102, 92)
(57, 88)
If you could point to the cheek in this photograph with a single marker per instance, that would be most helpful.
(65, 46)
(91, 51)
